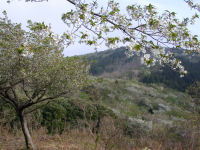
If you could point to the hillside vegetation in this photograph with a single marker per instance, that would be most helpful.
(116, 64)
(111, 114)
(124, 106)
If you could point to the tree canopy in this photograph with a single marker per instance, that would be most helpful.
(33, 70)
(141, 27)
(33, 61)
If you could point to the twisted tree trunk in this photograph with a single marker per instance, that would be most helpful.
(27, 136)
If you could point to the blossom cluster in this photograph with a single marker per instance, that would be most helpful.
(142, 28)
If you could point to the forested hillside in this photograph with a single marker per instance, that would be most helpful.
(116, 64)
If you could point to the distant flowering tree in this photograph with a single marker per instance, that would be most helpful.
(33, 70)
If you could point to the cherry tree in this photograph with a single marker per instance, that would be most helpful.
(33, 70)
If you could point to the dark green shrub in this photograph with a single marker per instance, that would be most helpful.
(73, 112)
(58, 114)
(98, 111)
(8, 117)
(54, 117)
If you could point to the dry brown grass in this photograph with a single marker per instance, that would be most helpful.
(73, 140)
(80, 140)
(111, 137)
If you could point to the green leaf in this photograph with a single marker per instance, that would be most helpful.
(90, 42)
(173, 13)
(67, 36)
(127, 39)
(82, 16)
(148, 62)
(138, 47)
(83, 36)
(20, 49)
(113, 40)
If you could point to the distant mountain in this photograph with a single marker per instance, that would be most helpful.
(116, 64)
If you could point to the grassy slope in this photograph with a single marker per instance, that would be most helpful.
(134, 100)
(129, 99)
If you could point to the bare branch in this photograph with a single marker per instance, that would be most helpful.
(36, 108)
(4, 98)
(15, 94)
(25, 91)
(11, 85)
(29, 104)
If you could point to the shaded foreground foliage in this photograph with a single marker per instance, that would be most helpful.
(78, 117)
(112, 134)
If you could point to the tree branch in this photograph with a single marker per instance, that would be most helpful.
(11, 85)
(29, 104)
(25, 91)
(15, 94)
(108, 20)
(2, 96)
(37, 108)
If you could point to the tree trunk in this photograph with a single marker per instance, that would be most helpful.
(27, 136)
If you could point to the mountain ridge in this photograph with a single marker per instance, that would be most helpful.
(116, 64)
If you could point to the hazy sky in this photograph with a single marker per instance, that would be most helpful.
(50, 12)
